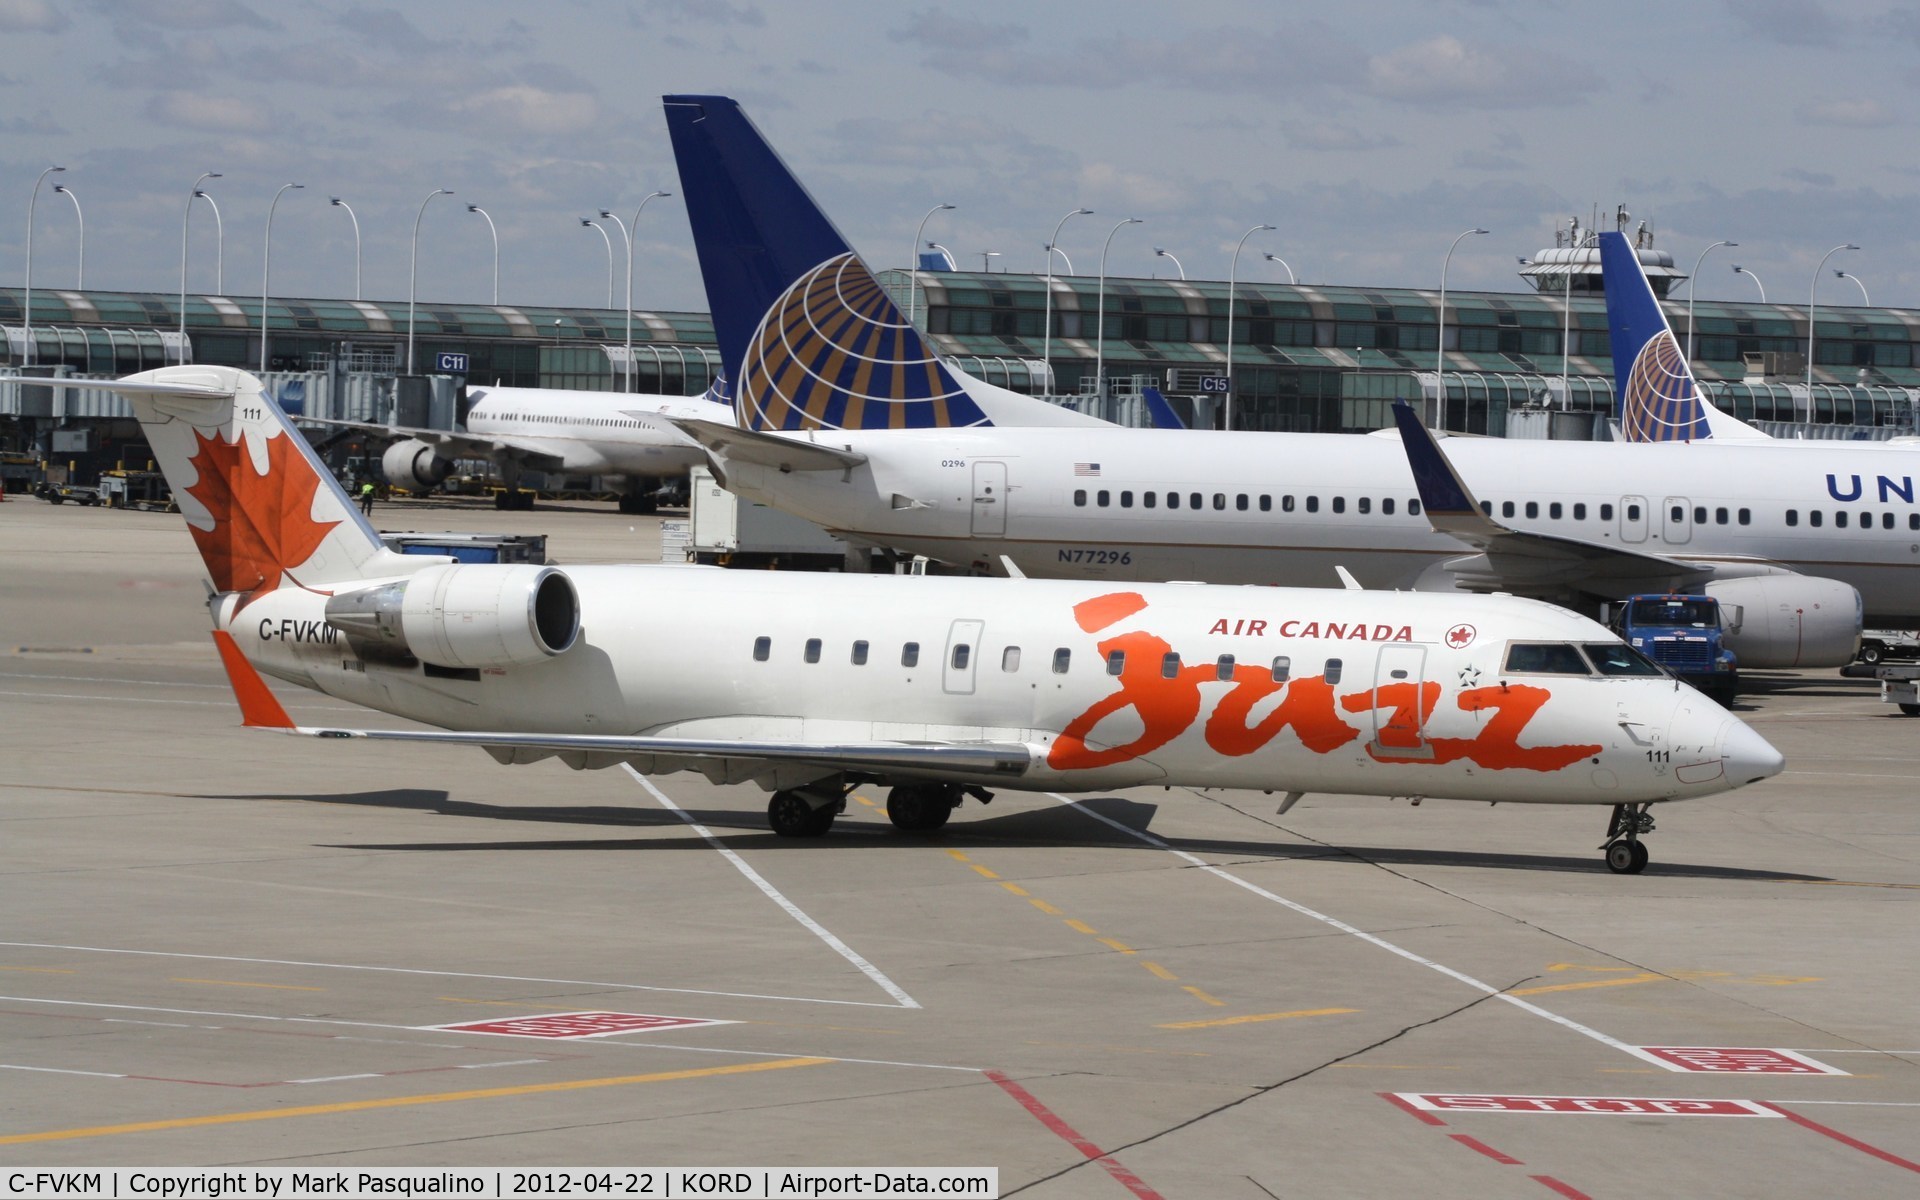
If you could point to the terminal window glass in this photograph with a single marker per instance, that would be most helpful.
(1556, 658)
(813, 650)
(1116, 661)
(1282, 666)
(910, 654)
(1169, 666)
(762, 647)
(1062, 659)
(1333, 670)
(962, 654)
(859, 654)
(1010, 659)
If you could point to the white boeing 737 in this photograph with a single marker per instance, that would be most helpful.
(933, 687)
(846, 420)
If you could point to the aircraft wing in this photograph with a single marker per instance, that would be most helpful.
(1520, 560)
(528, 450)
(781, 452)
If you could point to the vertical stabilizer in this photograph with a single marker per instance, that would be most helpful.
(1655, 394)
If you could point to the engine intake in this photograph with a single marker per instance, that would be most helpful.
(463, 615)
(1790, 620)
(415, 465)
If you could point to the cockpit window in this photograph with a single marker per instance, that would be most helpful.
(1546, 658)
(1618, 658)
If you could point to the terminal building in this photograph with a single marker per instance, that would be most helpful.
(1305, 357)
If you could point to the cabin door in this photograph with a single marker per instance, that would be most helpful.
(1678, 528)
(1633, 518)
(989, 499)
(1401, 705)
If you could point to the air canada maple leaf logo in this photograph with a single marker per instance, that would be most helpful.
(262, 523)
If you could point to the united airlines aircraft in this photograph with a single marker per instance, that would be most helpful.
(846, 419)
(936, 688)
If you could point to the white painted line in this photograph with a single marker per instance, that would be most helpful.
(1363, 935)
(870, 1062)
(58, 1071)
(110, 699)
(338, 1078)
(1857, 1103)
(773, 893)
(593, 983)
(171, 683)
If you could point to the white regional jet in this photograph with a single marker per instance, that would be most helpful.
(858, 430)
(553, 430)
(934, 687)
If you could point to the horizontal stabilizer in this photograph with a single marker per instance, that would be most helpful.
(730, 443)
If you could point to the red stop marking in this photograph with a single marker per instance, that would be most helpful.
(1638, 1106)
(1734, 1060)
(579, 1024)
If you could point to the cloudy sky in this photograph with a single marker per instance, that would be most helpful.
(1369, 133)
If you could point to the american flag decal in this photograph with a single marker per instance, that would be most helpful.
(1086, 468)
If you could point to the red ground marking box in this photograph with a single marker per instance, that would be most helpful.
(1738, 1060)
(1585, 1105)
(578, 1025)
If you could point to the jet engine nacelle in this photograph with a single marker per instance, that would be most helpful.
(414, 465)
(463, 615)
(1789, 620)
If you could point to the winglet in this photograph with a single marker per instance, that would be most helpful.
(258, 707)
(1159, 411)
(1450, 507)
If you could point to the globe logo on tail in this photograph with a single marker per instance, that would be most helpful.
(833, 352)
(1659, 402)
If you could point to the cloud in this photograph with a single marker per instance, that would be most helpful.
(700, 12)
(529, 108)
(384, 27)
(1856, 114)
(1788, 22)
(219, 114)
(1330, 135)
(1486, 160)
(31, 16)
(220, 15)
(1444, 70)
(1816, 178)
(40, 123)
(942, 32)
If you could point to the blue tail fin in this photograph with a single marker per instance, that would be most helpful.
(1159, 411)
(807, 335)
(1655, 394)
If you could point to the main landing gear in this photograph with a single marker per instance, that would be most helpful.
(1626, 855)
(922, 807)
(806, 812)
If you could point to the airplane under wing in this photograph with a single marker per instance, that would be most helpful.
(781, 452)
(527, 449)
(1517, 560)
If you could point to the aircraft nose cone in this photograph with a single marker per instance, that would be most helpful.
(1749, 758)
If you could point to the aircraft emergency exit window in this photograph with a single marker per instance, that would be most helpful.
(1102, 498)
(1840, 519)
(1815, 517)
(910, 654)
(1545, 658)
(1553, 510)
(1266, 504)
(1286, 504)
(1580, 512)
(1080, 497)
(962, 654)
(813, 650)
(1010, 659)
(1223, 667)
(1062, 659)
(1126, 499)
(1720, 516)
(1506, 508)
(1282, 667)
(762, 647)
(1339, 504)
(1618, 658)
(1677, 513)
(1633, 512)
(1386, 507)
(1533, 509)
(1745, 516)
(1606, 512)
(1240, 502)
(1116, 661)
(1313, 504)
(1333, 670)
(1149, 499)
(859, 654)
(1793, 516)
(1170, 666)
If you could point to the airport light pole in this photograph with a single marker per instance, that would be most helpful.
(185, 217)
(80, 272)
(1046, 335)
(219, 243)
(413, 268)
(1740, 270)
(913, 259)
(1100, 320)
(337, 202)
(1440, 348)
(986, 261)
(1163, 252)
(593, 224)
(1232, 272)
(26, 358)
(1691, 280)
(266, 261)
(475, 208)
(1838, 274)
(623, 231)
(1291, 281)
(1812, 290)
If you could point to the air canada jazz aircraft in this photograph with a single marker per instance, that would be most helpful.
(934, 687)
(837, 427)
(555, 430)
(1656, 397)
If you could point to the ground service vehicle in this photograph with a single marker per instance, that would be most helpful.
(1684, 634)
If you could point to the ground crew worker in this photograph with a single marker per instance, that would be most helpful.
(366, 497)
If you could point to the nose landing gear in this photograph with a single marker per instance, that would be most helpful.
(1624, 852)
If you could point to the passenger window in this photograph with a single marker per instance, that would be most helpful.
(1699, 514)
(1745, 516)
(1815, 517)
(1913, 520)
(1223, 668)
(910, 654)
(1149, 499)
(1102, 498)
(1116, 661)
(1364, 504)
(1840, 519)
(1062, 659)
(1793, 517)
(1386, 507)
(1580, 512)
(1126, 499)
(1720, 516)
(1170, 666)
(1286, 504)
(1010, 659)
(1266, 504)
(762, 647)
(1886, 520)
(1533, 509)
(1282, 666)
(1413, 508)
(962, 654)
(1486, 506)
(1079, 497)
(1339, 504)
(1506, 508)
(813, 650)
(1333, 670)
(1606, 512)
(1195, 500)
(1220, 501)
(1546, 659)
(1553, 511)
(1313, 504)
(1240, 502)
(1173, 499)
(859, 654)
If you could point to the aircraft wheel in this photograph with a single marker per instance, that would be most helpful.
(789, 815)
(918, 808)
(1912, 710)
(1626, 858)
